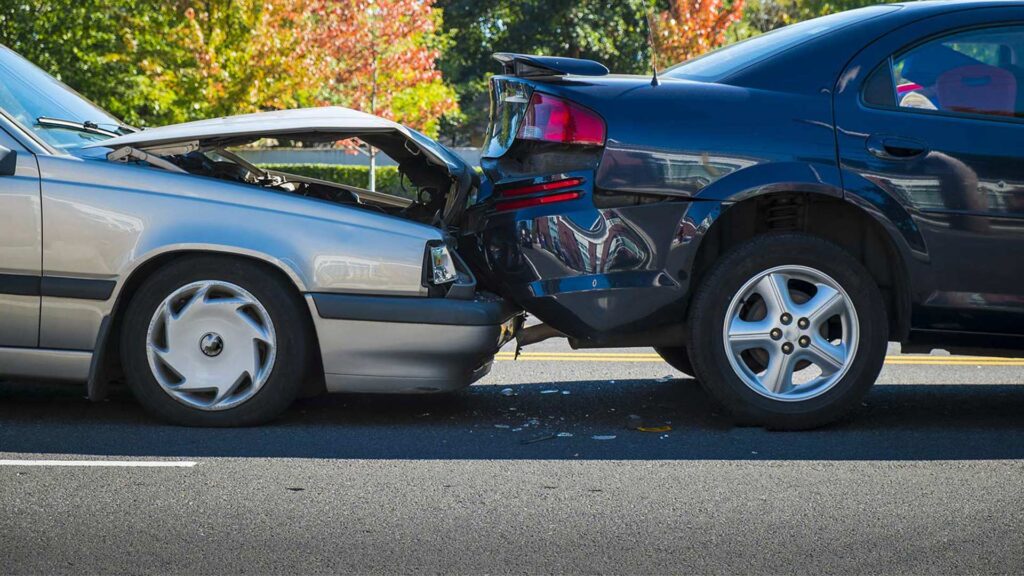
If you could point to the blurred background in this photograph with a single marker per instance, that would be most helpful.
(424, 63)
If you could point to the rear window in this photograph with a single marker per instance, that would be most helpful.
(721, 63)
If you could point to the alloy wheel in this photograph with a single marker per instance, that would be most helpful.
(791, 333)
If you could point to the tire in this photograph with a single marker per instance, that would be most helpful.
(221, 303)
(677, 357)
(745, 371)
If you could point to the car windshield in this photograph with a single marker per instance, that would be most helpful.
(28, 94)
(720, 63)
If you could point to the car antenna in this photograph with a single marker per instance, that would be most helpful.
(650, 40)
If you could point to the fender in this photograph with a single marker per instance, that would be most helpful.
(771, 177)
(97, 382)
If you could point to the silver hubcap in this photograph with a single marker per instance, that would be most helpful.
(791, 333)
(211, 345)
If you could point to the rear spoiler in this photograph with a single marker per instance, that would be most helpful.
(526, 66)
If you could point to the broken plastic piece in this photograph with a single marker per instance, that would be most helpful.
(654, 428)
(539, 438)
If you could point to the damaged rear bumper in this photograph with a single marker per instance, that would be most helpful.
(382, 344)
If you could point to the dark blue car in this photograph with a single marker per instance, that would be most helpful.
(770, 215)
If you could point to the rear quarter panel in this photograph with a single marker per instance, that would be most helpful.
(619, 260)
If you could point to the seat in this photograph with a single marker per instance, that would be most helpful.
(977, 89)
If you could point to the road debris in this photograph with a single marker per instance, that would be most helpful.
(654, 429)
(502, 426)
(539, 438)
(508, 392)
(604, 437)
(565, 434)
(549, 391)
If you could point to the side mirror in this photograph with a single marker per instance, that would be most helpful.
(8, 161)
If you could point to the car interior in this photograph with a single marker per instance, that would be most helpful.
(972, 73)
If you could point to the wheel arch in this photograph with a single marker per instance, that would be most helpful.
(106, 355)
(849, 224)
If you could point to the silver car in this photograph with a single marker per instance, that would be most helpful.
(219, 290)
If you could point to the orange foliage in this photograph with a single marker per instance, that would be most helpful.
(381, 58)
(690, 28)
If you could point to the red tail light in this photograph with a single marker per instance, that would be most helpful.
(540, 193)
(551, 119)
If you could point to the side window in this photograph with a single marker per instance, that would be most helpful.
(972, 72)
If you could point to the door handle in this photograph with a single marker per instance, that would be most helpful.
(895, 147)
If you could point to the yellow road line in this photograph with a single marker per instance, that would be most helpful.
(647, 357)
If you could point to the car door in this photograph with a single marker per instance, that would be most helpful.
(20, 245)
(932, 115)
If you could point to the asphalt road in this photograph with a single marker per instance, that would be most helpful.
(927, 479)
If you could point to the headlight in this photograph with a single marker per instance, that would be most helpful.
(443, 268)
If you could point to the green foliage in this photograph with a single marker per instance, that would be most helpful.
(764, 15)
(388, 177)
(153, 62)
(614, 33)
(98, 48)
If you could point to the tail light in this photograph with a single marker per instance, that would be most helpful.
(539, 194)
(551, 119)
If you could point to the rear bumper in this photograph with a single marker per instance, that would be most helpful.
(598, 275)
(393, 345)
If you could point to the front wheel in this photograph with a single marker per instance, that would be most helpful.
(215, 341)
(788, 331)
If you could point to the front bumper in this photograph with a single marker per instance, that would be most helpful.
(394, 345)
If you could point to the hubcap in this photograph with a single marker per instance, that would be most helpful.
(784, 359)
(236, 347)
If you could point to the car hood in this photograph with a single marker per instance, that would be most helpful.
(422, 160)
(330, 122)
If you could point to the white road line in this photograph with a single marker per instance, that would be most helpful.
(101, 463)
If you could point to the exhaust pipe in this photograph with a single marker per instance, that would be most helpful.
(533, 334)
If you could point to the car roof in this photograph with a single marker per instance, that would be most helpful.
(942, 6)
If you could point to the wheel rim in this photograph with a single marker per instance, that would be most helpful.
(211, 345)
(791, 333)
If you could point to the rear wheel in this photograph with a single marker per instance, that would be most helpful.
(213, 341)
(677, 357)
(788, 331)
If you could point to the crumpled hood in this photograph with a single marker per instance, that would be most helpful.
(330, 121)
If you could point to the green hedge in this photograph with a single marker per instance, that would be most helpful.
(359, 176)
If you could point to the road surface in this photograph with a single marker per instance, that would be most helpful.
(532, 470)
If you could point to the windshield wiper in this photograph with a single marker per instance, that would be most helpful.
(87, 126)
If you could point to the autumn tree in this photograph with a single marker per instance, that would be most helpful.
(690, 28)
(380, 58)
(243, 56)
